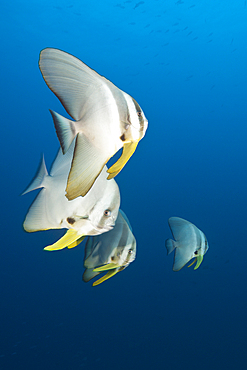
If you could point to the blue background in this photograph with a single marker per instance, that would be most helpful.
(185, 63)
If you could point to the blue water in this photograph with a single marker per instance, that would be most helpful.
(185, 63)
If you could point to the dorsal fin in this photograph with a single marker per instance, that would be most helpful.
(70, 79)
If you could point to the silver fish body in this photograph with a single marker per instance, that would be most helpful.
(93, 214)
(190, 242)
(111, 252)
(105, 118)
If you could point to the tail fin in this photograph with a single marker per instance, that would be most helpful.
(65, 130)
(170, 245)
(38, 179)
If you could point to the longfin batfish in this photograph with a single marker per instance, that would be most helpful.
(93, 214)
(190, 242)
(105, 119)
(110, 252)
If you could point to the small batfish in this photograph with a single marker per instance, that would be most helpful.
(93, 214)
(190, 242)
(105, 119)
(111, 252)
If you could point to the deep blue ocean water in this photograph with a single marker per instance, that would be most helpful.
(185, 63)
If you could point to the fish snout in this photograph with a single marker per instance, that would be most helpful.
(143, 128)
(110, 225)
(104, 228)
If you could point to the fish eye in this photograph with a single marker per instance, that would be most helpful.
(139, 114)
(107, 213)
(196, 252)
(130, 251)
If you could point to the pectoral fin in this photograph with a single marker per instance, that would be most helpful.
(108, 266)
(106, 277)
(192, 263)
(77, 242)
(198, 261)
(70, 240)
(128, 150)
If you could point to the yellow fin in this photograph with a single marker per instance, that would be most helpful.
(78, 241)
(128, 150)
(107, 267)
(67, 239)
(192, 263)
(105, 277)
(199, 261)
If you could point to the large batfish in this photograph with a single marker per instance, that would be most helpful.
(105, 119)
(111, 252)
(93, 214)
